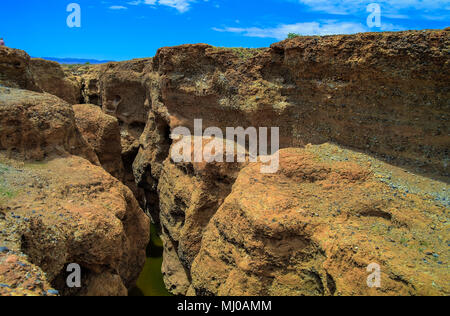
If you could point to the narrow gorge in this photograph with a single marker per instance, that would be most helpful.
(85, 168)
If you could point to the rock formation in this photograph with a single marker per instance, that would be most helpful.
(322, 224)
(363, 174)
(380, 92)
(49, 77)
(384, 94)
(15, 69)
(58, 208)
(73, 212)
(119, 89)
(35, 126)
(103, 134)
(189, 196)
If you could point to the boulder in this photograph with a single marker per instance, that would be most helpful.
(64, 211)
(316, 226)
(103, 133)
(50, 77)
(35, 126)
(15, 71)
(189, 195)
(57, 208)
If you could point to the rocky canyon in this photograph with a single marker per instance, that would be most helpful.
(363, 177)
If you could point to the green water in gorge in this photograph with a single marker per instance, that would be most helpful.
(150, 282)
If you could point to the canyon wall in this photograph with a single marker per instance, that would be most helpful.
(383, 94)
(57, 205)
(363, 173)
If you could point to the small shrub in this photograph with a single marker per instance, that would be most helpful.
(292, 35)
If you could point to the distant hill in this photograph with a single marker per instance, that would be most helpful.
(72, 61)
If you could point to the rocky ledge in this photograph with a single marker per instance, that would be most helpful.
(363, 177)
(57, 206)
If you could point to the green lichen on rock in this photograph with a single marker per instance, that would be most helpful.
(241, 52)
(7, 191)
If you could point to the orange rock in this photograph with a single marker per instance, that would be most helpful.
(15, 69)
(287, 234)
(103, 133)
(189, 195)
(80, 215)
(49, 77)
(36, 125)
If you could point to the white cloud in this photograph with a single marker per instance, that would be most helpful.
(310, 28)
(180, 5)
(391, 8)
(118, 7)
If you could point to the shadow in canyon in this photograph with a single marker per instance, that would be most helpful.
(150, 282)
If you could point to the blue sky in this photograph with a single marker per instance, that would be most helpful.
(125, 29)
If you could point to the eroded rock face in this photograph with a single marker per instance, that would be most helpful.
(90, 89)
(103, 134)
(73, 212)
(57, 208)
(49, 77)
(120, 90)
(15, 69)
(152, 150)
(189, 196)
(19, 277)
(35, 126)
(314, 227)
(123, 93)
(381, 92)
